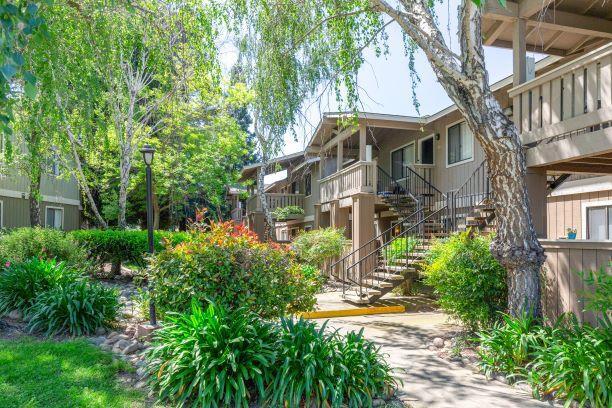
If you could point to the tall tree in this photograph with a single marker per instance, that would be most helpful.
(297, 46)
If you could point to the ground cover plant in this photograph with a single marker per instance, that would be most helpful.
(227, 264)
(568, 361)
(22, 282)
(224, 357)
(24, 243)
(469, 282)
(51, 374)
(78, 308)
(212, 357)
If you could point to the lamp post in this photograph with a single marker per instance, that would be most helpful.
(147, 154)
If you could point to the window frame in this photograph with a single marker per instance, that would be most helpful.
(61, 228)
(420, 150)
(306, 177)
(459, 163)
(402, 147)
(585, 212)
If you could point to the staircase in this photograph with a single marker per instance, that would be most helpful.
(424, 214)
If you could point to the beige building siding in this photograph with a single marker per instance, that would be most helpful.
(72, 215)
(16, 213)
(566, 211)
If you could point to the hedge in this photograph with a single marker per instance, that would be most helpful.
(118, 246)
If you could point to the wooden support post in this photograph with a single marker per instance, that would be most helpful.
(362, 142)
(519, 49)
(339, 155)
(537, 190)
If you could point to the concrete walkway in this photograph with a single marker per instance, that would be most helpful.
(430, 381)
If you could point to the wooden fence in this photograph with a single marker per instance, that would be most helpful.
(563, 289)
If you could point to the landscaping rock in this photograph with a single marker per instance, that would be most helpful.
(120, 346)
(100, 331)
(131, 348)
(438, 342)
(97, 340)
(112, 335)
(111, 340)
(378, 402)
(15, 315)
(144, 331)
(106, 347)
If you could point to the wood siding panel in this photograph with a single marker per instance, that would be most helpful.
(566, 211)
(546, 104)
(606, 82)
(591, 100)
(555, 108)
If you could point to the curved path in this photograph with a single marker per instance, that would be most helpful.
(430, 381)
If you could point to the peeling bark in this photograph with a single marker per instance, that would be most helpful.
(34, 199)
(465, 79)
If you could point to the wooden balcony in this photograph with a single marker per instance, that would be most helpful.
(275, 200)
(357, 178)
(572, 99)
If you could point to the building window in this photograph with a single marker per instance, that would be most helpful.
(460, 144)
(54, 217)
(599, 222)
(598, 79)
(400, 158)
(295, 188)
(53, 164)
(308, 184)
(426, 150)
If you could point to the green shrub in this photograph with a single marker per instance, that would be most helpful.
(282, 213)
(509, 345)
(212, 358)
(229, 266)
(400, 247)
(574, 362)
(469, 282)
(24, 243)
(320, 245)
(118, 246)
(321, 368)
(21, 282)
(78, 307)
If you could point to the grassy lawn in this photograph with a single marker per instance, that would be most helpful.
(49, 374)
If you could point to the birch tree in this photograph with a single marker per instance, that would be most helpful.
(299, 46)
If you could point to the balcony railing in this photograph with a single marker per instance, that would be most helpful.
(356, 178)
(572, 99)
(276, 200)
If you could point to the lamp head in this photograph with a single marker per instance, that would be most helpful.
(148, 152)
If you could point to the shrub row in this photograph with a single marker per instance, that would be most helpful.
(221, 357)
(228, 265)
(53, 298)
(22, 244)
(569, 360)
(118, 246)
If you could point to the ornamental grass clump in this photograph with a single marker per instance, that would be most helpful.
(213, 357)
(22, 282)
(228, 265)
(78, 308)
(318, 246)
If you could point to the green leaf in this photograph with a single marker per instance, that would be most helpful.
(8, 71)
(30, 90)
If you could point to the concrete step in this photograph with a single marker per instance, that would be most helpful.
(485, 207)
(354, 298)
(377, 283)
(388, 276)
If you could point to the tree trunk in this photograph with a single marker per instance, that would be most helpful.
(269, 222)
(465, 80)
(125, 164)
(80, 176)
(35, 177)
(156, 209)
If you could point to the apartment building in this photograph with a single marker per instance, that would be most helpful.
(60, 206)
(387, 177)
